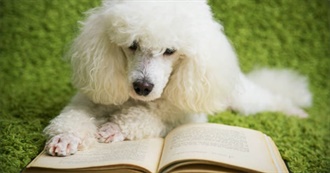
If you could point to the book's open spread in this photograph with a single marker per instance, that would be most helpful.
(189, 148)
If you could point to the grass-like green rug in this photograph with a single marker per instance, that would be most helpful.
(35, 81)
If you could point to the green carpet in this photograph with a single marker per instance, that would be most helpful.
(35, 80)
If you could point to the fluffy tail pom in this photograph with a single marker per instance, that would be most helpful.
(286, 83)
(272, 90)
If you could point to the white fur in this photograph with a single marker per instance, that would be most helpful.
(201, 77)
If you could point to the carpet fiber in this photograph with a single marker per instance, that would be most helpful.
(35, 80)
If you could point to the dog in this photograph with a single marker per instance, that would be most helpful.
(143, 68)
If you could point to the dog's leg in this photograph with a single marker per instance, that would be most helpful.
(74, 129)
(132, 123)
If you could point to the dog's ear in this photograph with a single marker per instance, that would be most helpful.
(207, 75)
(99, 66)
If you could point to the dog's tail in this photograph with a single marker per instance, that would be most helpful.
(284, 82)
(273, 90)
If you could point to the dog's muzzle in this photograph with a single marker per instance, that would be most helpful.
(142, 87)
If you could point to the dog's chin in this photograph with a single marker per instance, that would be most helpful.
(148, 98)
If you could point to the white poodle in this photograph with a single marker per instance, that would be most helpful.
(145, 67)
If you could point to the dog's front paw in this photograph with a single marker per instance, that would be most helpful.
(110, 132)
(63, 145)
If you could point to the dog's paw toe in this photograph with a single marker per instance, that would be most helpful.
(110, 132)
(63, 145)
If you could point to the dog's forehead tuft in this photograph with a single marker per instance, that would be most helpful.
(154, 23)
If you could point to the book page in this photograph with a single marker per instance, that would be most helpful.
(278, 161)
(232, 146)
(144, 153)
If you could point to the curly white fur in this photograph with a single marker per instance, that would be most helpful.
(185, 67)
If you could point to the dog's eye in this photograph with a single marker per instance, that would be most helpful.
(134, 46)
(169, 51)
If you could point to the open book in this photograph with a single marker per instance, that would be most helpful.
(188, 148)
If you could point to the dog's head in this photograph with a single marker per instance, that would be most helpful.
(150, 50)
(149, 69)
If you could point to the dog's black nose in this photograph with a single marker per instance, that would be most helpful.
(142, 88)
